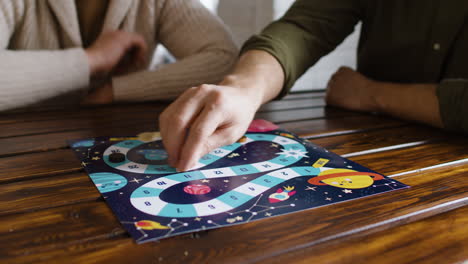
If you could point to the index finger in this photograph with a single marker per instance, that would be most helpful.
(174, 122)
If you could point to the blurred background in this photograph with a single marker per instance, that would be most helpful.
(248, 17)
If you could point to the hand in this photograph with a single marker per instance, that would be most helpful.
(204, 118)
(352, 90)
(116, 50)
(101, 95)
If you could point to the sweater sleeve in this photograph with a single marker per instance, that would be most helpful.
(204, 49)
(28, 77)
(453, 103)
(309, 30)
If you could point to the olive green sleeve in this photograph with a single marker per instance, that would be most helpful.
(453, 104)
(309, 30)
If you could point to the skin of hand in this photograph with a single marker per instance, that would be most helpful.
(101, 95)
(113, 53)
(209, 116)
(351, 90)
(116, 51)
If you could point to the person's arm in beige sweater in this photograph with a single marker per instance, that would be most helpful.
(31, 76)
(26, 77)
(203, 47)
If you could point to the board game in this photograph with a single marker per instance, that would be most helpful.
(266, 173)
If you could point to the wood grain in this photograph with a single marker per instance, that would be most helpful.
(63, 160)
(52, 181)
(431, 193)
(438, 239)
(68, 120)
(52, 213)
(315, 128)
(51, 141)
(293, 104)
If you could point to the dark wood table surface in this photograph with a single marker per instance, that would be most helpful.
(51, 212)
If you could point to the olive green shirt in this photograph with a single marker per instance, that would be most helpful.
(403, 41)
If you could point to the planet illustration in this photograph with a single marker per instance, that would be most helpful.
(154, 154)
(260, 125)
(83, 143)
(149, 136)
(107, 181)
(345, 178)
(149, 225)
(197, 189)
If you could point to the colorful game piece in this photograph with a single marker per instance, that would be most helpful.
(267, 172)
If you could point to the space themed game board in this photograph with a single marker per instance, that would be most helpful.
(268, 172)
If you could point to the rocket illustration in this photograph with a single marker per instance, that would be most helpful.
(281, 194)
(149, 225)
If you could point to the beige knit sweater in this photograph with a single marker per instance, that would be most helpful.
(42, 59)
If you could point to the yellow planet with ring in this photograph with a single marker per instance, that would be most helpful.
(345, 178)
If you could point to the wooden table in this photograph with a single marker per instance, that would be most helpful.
(51, 212)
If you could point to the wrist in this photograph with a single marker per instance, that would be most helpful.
(375, 95)
(92, 62)
(252, 89)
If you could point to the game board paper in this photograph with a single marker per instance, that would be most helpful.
(268, 172)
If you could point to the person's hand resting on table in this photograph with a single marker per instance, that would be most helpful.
(113, 53)
(351, 90)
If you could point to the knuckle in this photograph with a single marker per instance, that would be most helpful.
(176, 120)
(204, 88)
(217, 98)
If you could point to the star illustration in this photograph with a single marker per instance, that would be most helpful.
(233, 155)
(311, 188)
(136, 180)
(226, 181)
(297, 154)
(274, 145)
(84, 164)
(328, 199)
(197, 219)
(347, 191)
(239, 218)
(267, 214)
(147, 176)
(95, 158)
(205, 180)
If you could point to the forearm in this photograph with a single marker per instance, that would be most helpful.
(259, 73)
(28, 77)
(417, 102)
(169, 81)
